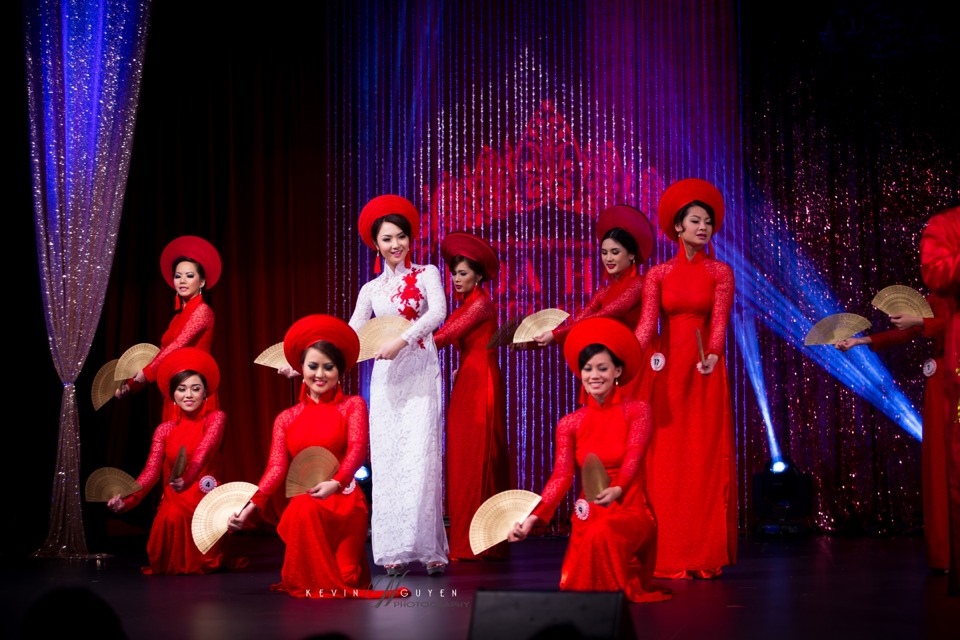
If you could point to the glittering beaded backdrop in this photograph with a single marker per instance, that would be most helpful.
(520, 121)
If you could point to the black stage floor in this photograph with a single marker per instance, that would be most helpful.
(816, 587)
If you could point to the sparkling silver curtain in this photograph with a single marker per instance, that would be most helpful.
(83, 68)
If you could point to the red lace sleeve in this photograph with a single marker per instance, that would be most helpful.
(940, 253)
(722, 303)
(638, 416)
(354, 410)
(590, 309)
(136, 387)
(886, 339)
(618, 308)
(934, 327)
(213, 425)
(466, 317)
(199, 321)
(650, 311)
(154, 467)
(627, 300)
(279, 460)
(564, 467)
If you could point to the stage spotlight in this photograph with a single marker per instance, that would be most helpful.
(782, 499)
(746, 331)
(363, 479)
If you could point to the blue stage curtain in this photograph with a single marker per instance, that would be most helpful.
(83, 70)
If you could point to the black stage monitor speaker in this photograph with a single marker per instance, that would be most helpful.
(549, 615)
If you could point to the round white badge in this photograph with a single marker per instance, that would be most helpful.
(208, 484)
(929, 367)
(582, 509)
(657, 361)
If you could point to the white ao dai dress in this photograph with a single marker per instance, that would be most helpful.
(406, 413)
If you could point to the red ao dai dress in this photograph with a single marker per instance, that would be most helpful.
(933, 462)
(611, 548)
(476, 444)
(620, 299)
(940, 267)
(691, 465)
(171, 548)
(325, 539)
(192, 326)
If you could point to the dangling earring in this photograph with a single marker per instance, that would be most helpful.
(406, 261)
(176, 303)
(376, 265)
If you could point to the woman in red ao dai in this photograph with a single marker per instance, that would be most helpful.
(613, 541)
(325, 529)
(476, 442)
(691, 466)
(189, 375)
(627, 239)
(189, 264)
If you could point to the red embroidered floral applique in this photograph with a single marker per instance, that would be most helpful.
(409, 298)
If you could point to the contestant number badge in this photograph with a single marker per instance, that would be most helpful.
(657, 361)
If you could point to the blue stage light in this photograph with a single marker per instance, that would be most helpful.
(778, 467)
(746, 332)
(362, 474)
(784, 290)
